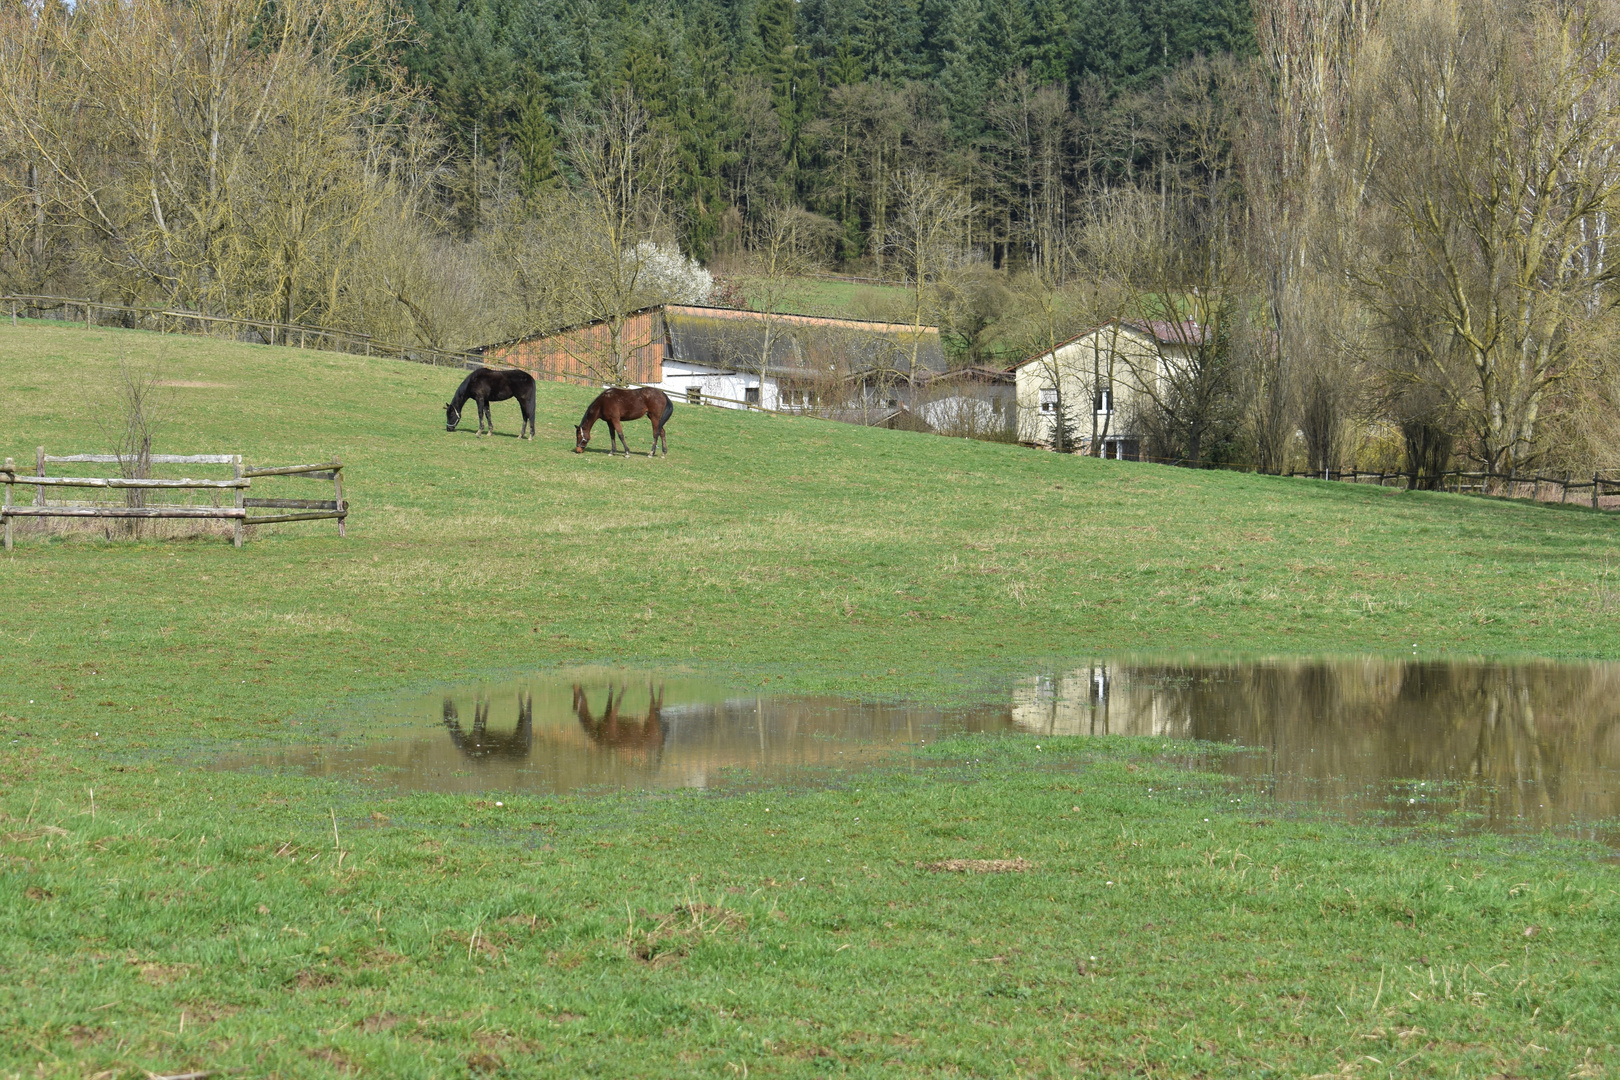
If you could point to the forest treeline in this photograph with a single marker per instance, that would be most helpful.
(1388, 218)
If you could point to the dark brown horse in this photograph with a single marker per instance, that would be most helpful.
(618, 405)
(485, 385)
(485, 744)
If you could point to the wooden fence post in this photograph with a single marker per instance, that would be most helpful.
(237, 538)
(11, 474)
(337, 491)
(1594, 491)
(39, 470)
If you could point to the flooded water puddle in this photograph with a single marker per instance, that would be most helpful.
(1502, 746)
(614, 729)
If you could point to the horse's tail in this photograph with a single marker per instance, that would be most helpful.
(669, 411)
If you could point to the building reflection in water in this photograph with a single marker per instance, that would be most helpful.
(1516, 746)
(1519, 745)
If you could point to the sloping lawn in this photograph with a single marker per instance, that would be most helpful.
(281, 925)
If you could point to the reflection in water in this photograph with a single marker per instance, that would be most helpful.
(1516, 746)
(627, 735)
(1520, 745)
(483, 744)
(615, 729)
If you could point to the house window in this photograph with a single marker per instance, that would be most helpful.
(694, 395)
(751, 395)
(1105, 400)
(1049, 400)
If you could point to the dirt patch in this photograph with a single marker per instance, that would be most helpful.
(383, 1021)
(484, 1063)
(202, 1011)
(479, 942)
(310, 979)
(81, 1036)
(376, 956)
(335, 1058)
(978, 866)
(673, 934)
(163, 974)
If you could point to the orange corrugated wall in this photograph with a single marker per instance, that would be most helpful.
(558, 356)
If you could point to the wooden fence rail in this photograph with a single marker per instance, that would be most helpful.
(261, 331)
(1534, 488)
(309, 509)
(1530, 488)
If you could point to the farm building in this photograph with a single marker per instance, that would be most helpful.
(1098, 380)
(791, 362)
(858, 371)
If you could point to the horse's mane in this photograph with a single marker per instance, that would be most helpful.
(592, 411)
(462, 392)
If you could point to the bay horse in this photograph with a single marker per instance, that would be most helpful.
(616, 405)
(615, 732)
(485, 385)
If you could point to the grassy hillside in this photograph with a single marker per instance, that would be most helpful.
(434, 936)
(822, 552)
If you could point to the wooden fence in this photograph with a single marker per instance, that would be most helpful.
(1600, 492)
(257, 331)
(41, 507)
(1533, 488)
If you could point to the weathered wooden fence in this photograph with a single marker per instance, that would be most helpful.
(238, 512)
(1534, 488)
(1600, 492)
(236, 328)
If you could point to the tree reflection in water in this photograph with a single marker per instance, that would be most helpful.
(1514, 746)
(1517, 745)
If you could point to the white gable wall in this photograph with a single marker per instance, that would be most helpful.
(729, 387)
(1112, 358)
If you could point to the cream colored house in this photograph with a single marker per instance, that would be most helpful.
(1098, 379)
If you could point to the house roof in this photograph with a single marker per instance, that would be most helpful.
(786, 344)
(1164, 332)
(729, 338)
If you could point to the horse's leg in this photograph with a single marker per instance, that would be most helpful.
(616, 431)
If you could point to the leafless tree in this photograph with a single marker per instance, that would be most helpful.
(925, 241)
(619, 210)
(1490, 135)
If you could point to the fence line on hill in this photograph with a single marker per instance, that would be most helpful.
(136, 487)
(329, 339)
(238, 328)
(1603, 492)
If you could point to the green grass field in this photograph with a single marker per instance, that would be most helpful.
(279, 925)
